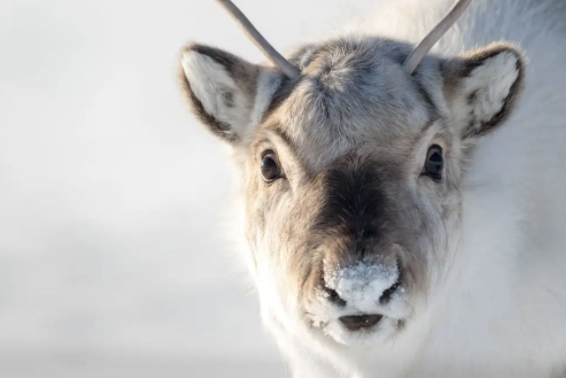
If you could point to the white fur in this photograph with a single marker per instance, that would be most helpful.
(492, 92)
(499, 308)
(502, 310)
(267, 84)
(490, 84)
(210, 82)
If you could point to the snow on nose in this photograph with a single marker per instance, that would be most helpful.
(361, 286)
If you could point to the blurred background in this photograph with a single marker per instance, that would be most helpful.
(112, 259)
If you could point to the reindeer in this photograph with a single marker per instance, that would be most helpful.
(404, 204)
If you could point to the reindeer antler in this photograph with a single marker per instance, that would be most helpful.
(287, 68)
(291, 71)
(439, 30)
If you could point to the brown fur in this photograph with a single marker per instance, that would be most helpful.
(351, 135)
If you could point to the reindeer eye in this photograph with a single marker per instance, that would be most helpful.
(434, 162)
(270, 169)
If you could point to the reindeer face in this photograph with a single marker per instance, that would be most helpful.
(352, 172)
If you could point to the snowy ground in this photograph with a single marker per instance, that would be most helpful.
(112, 260)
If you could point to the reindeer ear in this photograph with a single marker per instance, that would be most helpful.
(222, 90)
(482, 87)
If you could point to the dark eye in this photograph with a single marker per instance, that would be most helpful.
(434, 162)
(270, 169)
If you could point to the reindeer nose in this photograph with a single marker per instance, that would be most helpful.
(364, 288)
(383, 299)
(358, 322)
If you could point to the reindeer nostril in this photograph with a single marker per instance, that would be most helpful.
(387, 294)
(334, 297)
(359, 322)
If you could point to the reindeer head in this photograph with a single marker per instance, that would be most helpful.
(352, 154)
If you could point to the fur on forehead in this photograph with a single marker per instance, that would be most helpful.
(351, 90)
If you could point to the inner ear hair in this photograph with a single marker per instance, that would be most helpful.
(476, 58)
(240, 70)
(220, 88)
(492, 75)
(217, 127)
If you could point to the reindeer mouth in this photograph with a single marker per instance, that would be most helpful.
(367, 313)
(360, 329)
(356, 323)
(366, 322)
